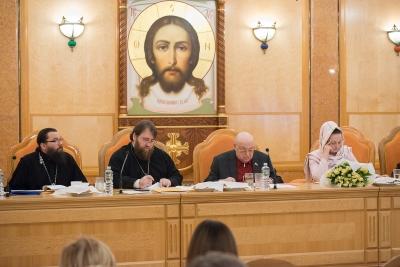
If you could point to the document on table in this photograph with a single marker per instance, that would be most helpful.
(282, 186)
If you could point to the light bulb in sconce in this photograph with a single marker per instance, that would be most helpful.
(264, 34)
(71, 30)
(394, 36)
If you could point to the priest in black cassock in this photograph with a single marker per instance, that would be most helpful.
(48, 165)
(145, 163)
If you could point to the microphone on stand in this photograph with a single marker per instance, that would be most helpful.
(122, 169)
(8, 191)
(273, 178)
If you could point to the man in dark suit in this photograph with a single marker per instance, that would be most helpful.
(231, 166)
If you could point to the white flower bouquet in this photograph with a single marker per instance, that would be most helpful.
(348, 174)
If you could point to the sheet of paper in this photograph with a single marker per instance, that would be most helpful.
(76, 190)
(282, 186)
(236, 185)
(53, 187)
(219, 186)
(169, 190)
(133, 192)
(156, 185)
(186, 188)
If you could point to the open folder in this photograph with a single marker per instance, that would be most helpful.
(168, 190)
(26, 192)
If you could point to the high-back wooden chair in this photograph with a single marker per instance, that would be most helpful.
(120, 139)
(363, 148)
(270, 263)
(389, 152)
(393, 262)
(29, 145)
(216, 143)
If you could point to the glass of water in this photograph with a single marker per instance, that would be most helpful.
(396, 173)
(99, 184)
(249, 179)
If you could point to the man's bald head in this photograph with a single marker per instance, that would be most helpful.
(244, 146)
(244, 137)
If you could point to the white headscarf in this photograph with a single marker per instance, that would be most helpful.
(324, 134)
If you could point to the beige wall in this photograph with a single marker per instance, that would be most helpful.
(74, 92)
(9, 100)
(370, 76)
(270, 95)
(265, 94)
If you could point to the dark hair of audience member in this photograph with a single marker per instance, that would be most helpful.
(216, 259)
(87, 251)
(211, 236)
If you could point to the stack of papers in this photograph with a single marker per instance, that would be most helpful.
(75, 190)
(219, 186)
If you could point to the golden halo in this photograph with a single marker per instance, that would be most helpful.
(147, 17)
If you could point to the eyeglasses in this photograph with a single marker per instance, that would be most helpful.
(148, 140)
(58, 141)
(337, 143)
(244, 150)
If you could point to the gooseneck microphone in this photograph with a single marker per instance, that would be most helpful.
(122, 169)
(8, 191)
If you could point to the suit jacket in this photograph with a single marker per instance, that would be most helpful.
(224, 166)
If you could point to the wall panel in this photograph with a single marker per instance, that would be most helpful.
(370, 84)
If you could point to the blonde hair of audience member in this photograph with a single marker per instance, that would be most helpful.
(85, 252)
(211, 236)
(216, 259)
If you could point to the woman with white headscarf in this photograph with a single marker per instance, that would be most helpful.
(331, 151)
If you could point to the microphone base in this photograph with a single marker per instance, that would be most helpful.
(120, 191)
(7, 191)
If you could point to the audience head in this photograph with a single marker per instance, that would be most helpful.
(331, 134)
(216, 259)
(244, 147)
(211, 236)
(85, 252)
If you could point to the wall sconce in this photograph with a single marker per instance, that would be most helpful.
(71, 30)
(394, 36)
(264, 34)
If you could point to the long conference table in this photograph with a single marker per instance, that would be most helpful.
(307, 225)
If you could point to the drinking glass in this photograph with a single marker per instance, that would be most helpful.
(396, 173)
(248, 177)
(257, 181)
(99, 184)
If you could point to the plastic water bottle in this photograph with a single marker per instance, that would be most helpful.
(265, 177)
(2, 193)
(108, 179)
